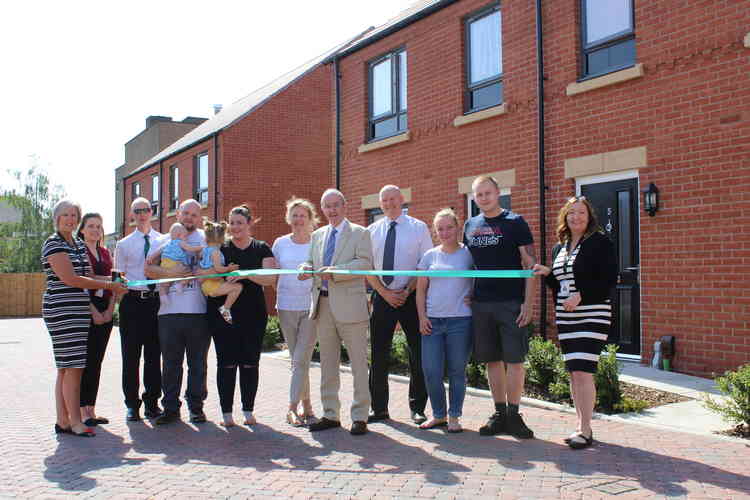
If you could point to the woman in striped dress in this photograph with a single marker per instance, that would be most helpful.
(65, 309)
(584, 270)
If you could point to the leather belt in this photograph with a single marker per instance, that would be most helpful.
(324, 293)
(143, 294)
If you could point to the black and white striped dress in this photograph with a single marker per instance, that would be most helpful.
(583, 332)
(66, 309)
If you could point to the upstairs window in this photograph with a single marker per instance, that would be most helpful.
(154, 195)
(174, 187)
(484, 59)
(387, 84)
(608, 36)
(135, 190)
(201, 168)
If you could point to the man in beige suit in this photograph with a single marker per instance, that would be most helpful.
(339, 309)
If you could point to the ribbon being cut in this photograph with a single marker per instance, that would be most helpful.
(469, 273)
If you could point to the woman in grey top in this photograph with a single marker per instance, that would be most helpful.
(445, 322)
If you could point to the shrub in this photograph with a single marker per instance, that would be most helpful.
(476, 374)
(541, 362)
(630, 405)
(607, 380)
(273, 335)
(735, 385)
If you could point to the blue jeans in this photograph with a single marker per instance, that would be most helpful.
(449, 346)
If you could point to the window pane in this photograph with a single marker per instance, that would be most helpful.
(155, 188)
(175, 183)
(382, 99)
(605, 18)
(402, 79)
(386, 127)
(203, 172)
(484, 97)
(486, 50)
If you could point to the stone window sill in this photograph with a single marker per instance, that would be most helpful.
(480, 115)
(605, 80)
(384, 143)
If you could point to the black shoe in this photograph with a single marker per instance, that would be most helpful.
(378, 417)
(63, 430)
(152, 411)
(168, 417)
(516, 427)
(358, 428)
(496, 424)
(88, 433)
(324, 424)
(197, 417)
(418, 418)
(133, 415)
(90, 422)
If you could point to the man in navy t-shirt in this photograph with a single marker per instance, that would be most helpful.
(501, 239)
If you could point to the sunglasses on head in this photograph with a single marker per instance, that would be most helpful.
(576, 198)
(139, 211)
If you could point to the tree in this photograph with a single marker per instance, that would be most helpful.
(33, 197)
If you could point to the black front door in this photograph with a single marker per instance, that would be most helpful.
(616, 205)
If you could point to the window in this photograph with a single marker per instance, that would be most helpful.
(504, 199)
(201, 192)
(387, 82)
(174, 187)
(135, 190)
(375, 214)
(608, 39)
(154, 195)
(484, 59)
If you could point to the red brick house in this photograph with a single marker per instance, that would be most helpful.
(635, 93)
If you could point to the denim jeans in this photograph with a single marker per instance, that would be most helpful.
(447, 348)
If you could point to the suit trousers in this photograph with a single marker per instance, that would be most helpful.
(354, 336)
(299, 334)
(382, 324)
(139, 332)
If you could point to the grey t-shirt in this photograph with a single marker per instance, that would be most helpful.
(191, 300)
(445, 296)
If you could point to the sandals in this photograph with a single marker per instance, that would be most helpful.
(294, 420)
(454, 426)
(88, 433)
(309, 419)
(227, 420)
(433, 423)
(62, 430)
(249, 418)
(226, 314)
(579, 441)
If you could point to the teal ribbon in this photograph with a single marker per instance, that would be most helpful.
(469, 273)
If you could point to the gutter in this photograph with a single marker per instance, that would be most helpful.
(541, 154)
(216, 176)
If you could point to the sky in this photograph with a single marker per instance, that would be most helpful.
(79, 78)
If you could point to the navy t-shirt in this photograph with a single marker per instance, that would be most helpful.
(493, 243)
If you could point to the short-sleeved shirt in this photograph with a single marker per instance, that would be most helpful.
(494, 244)
(174, 251)
(291, 293)
(76, 252)
(445, 296)
(191, 300)
(412, 241)
(207, 257)
(251, 301)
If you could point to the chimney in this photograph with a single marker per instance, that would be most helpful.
(217, 108)
(151, 120)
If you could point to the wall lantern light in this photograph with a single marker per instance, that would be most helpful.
(651, 199)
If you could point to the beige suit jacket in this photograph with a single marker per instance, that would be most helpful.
(346, 293)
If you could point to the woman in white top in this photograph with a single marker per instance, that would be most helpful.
(445, 322)
(293, 306)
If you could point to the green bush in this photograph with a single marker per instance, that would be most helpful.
(607, 380)
(735, 385)
(476, 374)
(273, 334)
(630, 405)
(545, 370)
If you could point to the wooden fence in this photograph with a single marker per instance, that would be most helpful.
(21, 294)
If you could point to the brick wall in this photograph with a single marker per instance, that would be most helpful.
(691, 110)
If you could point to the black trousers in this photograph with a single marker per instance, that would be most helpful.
(139, 333)
(96, 346)
(382, 325)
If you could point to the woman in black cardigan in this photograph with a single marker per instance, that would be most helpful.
(583, 272)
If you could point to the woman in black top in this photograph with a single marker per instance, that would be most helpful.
(238, 344)
(583, 272)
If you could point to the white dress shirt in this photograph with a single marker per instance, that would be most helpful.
(129, 256)
(412, 241)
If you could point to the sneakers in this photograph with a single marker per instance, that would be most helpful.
(495, 425)
(197, 417)
(515, 426)
(168, 417)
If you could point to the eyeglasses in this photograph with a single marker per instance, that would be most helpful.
(139, 211)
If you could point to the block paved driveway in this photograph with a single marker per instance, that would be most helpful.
(274, 460)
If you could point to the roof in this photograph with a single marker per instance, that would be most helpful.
(243, 107)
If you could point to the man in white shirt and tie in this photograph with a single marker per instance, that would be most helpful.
(398, 243)
(139, 328)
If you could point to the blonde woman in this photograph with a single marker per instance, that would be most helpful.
(66, 312)
(445, 322)
(293, 306)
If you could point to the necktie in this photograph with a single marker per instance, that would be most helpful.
(146, 248)
(328, 254)
(389, 252)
